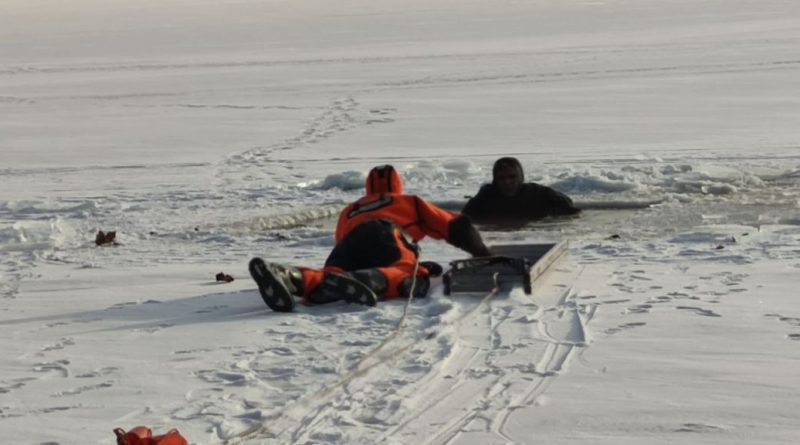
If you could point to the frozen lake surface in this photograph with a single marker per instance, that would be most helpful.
(205, 133)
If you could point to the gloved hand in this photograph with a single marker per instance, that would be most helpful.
(434, 269)
(484, 252)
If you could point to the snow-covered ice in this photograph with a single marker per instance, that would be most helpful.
(206, 133)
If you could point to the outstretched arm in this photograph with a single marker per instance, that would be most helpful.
(561, 204)
(454, 228)
(466, 237)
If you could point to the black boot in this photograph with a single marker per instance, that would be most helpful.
(335, 287)
(373, 279)
(277, 284)
(421, 287)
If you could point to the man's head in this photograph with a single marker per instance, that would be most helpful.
(507, 176)
(384, 179)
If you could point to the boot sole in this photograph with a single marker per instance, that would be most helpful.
(272, 290)
(347, 289)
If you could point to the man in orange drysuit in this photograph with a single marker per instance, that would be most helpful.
(375, 254)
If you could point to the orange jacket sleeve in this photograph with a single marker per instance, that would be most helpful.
(432, 220)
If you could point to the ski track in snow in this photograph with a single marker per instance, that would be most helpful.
(461, 369)
(436, 365)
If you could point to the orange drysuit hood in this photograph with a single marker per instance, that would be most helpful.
(384, 180)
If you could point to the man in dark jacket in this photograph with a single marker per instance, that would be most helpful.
(509, 199)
